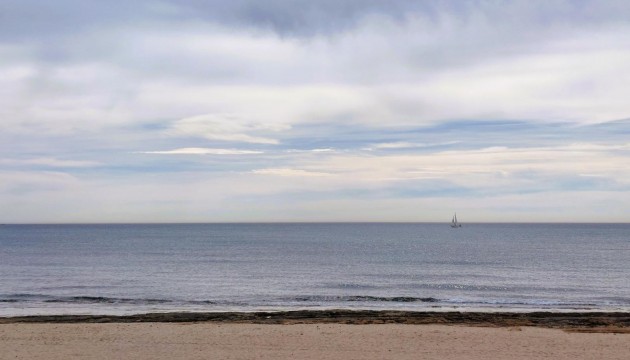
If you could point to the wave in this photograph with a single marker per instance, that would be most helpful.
(341, 301)
(462, 302)
(105, 300)
(515, 302)
(363, 298)
(42, 298)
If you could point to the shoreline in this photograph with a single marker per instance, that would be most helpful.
(580, 321)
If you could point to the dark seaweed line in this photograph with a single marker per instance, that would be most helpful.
(541, 319)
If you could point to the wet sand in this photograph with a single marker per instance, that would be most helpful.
(319, 335)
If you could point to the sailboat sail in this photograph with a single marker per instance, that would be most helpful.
(454, 222)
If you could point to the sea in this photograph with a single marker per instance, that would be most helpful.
(140, 268)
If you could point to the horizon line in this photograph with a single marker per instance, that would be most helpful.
(312, 222)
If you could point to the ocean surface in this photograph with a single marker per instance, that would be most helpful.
(126, 269)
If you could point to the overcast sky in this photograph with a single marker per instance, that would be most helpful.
(318, 110)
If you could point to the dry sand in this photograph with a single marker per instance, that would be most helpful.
(302, 341)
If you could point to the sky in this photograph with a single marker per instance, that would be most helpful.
(318, 110)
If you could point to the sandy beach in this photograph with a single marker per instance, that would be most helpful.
(302, 341)
(317, 335)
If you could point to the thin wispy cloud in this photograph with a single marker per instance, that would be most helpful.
(408, 145)
(203, 151)
(321, 151)
(49, 162)
(290, 172)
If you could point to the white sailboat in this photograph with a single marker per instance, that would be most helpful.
(454, 223)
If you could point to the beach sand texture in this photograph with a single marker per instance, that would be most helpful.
(302, 341)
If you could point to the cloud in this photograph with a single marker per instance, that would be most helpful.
(299, 18)
(226, 128)
(18, 183)
(406, 67)
(395, 104)
(408, 145)
(203, 151)
(51, 162)
(315, 151)
(365, 77)
(484, 169)
(290, 172)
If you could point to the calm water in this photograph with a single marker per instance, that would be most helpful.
(116, 269)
